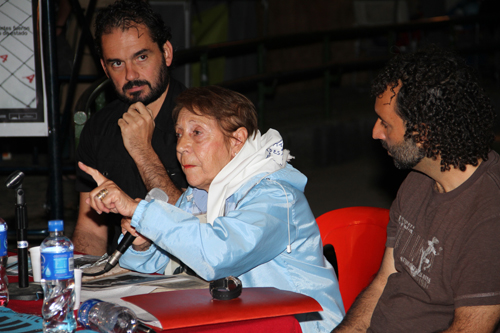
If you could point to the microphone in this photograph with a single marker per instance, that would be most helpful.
(128, 239)
(22, 290)
(14, 180)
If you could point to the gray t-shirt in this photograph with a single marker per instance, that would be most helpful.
(446, 251)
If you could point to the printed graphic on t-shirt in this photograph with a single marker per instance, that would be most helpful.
(415, 252)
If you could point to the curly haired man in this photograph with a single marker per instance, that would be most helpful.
(440, 271)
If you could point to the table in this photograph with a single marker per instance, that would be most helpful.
(281, 324)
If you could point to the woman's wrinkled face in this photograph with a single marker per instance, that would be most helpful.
(202, 148)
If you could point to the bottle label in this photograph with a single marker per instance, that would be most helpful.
(57, 266)
(3, 243)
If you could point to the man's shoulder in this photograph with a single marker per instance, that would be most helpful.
(492, 166)
(176, 87)
(109, 113)
(104, 121)
(416, 180)
(486, 190)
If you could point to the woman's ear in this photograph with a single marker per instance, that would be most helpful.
(239, 138)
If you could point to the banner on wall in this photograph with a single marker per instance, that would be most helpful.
(22, 85)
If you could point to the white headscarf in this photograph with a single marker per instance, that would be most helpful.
(262, 154)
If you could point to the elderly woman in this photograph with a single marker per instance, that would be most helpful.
(244, 214)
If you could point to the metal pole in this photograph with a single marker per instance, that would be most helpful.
(22, 236)
(52, 88)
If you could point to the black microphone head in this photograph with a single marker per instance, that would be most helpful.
(156, 194)
(15, 179)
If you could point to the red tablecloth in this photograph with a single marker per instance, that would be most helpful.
(281, 324)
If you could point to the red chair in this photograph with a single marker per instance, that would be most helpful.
(358, 235)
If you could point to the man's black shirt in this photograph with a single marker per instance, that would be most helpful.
(101, 147)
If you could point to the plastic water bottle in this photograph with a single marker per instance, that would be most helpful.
(107, 317)
(57, 281)
(4, 282)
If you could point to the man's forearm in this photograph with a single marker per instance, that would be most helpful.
(137, 127)
(89, 244)
(91, 231)
(475, 319)
(359, 316)
(153, 174)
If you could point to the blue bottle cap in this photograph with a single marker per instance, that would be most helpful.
(83, 311)
(56, 225)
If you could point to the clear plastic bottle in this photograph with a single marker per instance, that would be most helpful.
(107, 317)
(57, 281)
(4, 282)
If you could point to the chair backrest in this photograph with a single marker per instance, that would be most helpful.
(91, 100)
(358, 235)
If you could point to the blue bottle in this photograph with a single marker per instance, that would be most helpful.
(58, 281)
(4, 291)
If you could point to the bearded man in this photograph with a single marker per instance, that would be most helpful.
(132, 140)
(440, 269)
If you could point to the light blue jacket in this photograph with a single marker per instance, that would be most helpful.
(249, 242)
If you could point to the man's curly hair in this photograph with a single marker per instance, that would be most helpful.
(126, 14)
(441, 104)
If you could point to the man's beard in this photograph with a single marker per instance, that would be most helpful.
(154, 91)
(406, 155)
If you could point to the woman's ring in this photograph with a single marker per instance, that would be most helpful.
(102, 194)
